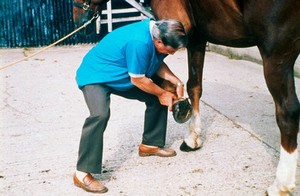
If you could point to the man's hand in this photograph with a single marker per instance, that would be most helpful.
(167, 98)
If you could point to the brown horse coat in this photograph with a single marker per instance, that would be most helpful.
(274, 27)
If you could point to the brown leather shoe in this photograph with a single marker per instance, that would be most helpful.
(90, 184)
(145, 151)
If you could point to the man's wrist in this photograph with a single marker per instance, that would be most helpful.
(178, 84)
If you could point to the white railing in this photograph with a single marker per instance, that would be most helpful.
(137, 8)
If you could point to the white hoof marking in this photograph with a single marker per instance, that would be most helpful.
(193, 139)
(285, 175)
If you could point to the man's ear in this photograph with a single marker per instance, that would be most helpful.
(158, 42)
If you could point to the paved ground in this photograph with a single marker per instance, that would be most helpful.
(42, 113)
(251, 53)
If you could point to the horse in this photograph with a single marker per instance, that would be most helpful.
(271, 25)
(84, 10)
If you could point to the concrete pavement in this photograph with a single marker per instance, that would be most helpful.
(42, 113)
(250, 53)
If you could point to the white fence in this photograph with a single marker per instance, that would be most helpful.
(141, 13)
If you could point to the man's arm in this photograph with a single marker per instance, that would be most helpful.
(165, 73)
(145, 84)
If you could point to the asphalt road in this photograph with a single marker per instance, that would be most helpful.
(42, 112)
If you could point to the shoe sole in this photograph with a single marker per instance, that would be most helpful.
(144, 154)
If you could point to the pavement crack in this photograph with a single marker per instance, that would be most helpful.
(8, 106)
(243, 128)
(240, 126)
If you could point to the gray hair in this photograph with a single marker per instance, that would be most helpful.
(170, 32)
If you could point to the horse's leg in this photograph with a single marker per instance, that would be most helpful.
(279, 75)
(194, 88)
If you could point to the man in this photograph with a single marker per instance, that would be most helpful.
(123, 63)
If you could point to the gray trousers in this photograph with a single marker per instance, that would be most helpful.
(97, 98)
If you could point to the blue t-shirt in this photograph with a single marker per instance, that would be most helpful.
(126, 51)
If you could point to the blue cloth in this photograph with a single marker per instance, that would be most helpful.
(126, 51)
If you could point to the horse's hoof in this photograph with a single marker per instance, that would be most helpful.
(280, 193)
(185, 148)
